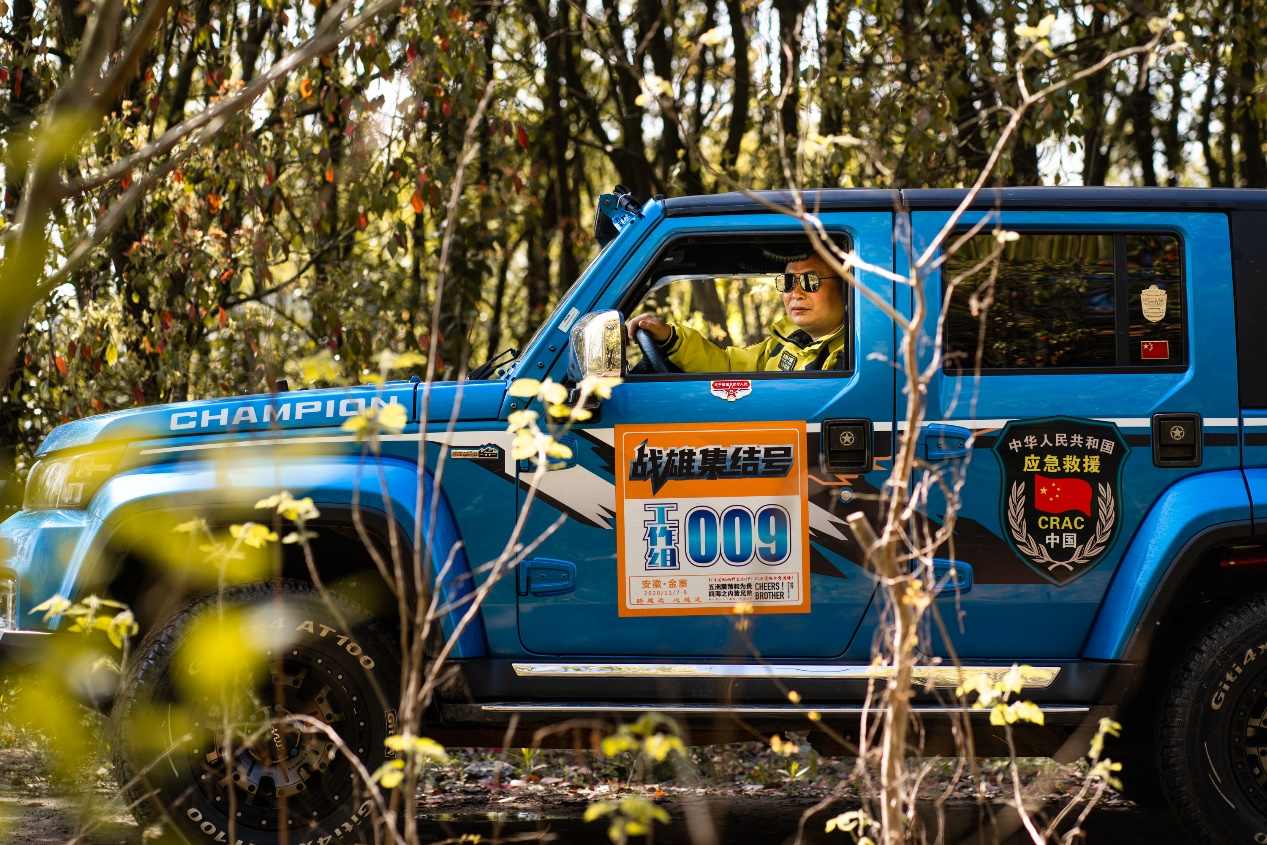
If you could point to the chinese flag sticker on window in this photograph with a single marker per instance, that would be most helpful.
(1154, 350)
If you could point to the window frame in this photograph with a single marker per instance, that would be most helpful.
(1121, 316)
(643, 283)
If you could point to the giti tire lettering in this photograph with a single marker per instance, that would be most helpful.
(1230, 677)
(345, 642)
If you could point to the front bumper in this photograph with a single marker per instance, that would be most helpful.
(45, 549)
(22, 649)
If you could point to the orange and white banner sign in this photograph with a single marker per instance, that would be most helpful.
(709, 516)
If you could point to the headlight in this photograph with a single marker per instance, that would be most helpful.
(68, 482)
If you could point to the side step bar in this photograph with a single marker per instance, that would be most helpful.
(790, 710)
(943, 677)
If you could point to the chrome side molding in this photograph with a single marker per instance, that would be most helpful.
(938, 677)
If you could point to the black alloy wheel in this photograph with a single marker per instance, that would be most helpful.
(283, 776)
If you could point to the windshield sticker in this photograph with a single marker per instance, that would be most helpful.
(730, 389)
(711, 517)
(569, 319)
(1154, 350)
(1061, 495)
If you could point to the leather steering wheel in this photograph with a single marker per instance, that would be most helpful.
(651, 352)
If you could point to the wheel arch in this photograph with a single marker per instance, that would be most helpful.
(379, 493)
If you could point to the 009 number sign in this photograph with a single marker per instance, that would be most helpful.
(710, 516)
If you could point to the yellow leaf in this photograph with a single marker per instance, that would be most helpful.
(121, 626)
(555, 449)
(54, 606)
(390, 774)
(388, 360)
(191, 526)
(429, 749)
(392, 418)
(552, 393)
(253, 534)
(112, 354)
(660, 746)
(1042, 30)
(524, 388)
(525, 445)
(600, 386)
(318, 367)
(618, 744)
(520, 419)
(715, 36)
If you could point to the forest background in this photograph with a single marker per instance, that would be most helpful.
(314, 219)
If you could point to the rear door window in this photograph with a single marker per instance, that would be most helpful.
(1065, 301)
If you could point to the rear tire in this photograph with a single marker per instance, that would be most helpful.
(1214, 730)
(287, 780)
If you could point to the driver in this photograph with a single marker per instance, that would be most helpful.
(810, 337)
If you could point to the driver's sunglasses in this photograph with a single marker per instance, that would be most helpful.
(809, 282)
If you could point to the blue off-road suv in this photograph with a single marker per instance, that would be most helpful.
(1107, 413)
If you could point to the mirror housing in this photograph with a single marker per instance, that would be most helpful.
(596, 346)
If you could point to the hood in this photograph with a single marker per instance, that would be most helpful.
(298, 409)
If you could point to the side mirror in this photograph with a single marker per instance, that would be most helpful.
(597, 346)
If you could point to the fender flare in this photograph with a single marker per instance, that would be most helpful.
(1192, 516)
(378, 485)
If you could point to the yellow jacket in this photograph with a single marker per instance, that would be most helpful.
(787, 348)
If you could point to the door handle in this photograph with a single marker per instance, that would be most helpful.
(846, 446)
(543, 576)
(943, 442)
(1177, 440)
(952, 577)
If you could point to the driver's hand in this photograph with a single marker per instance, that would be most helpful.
(657, 328)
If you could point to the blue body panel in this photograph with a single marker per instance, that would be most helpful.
(1189, 507)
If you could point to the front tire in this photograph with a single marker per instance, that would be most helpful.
(1214, 730)
(283, 783)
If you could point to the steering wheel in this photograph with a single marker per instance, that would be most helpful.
(652, 353)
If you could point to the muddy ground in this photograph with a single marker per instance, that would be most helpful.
(738, 793)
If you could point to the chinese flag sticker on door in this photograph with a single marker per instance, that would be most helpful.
(709, 516)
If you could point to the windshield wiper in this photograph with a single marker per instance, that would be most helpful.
(484, 370)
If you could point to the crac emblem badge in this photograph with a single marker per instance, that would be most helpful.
(1061, 500)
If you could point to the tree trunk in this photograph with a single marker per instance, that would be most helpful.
(739, 100)
(1140, 106)
(791, 17)
(1253, 159)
